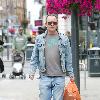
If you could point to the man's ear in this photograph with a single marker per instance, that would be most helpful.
(46, 24)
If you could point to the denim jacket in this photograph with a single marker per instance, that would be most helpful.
(38, 54)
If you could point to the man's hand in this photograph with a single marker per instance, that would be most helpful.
(31, 77)
(13, 51)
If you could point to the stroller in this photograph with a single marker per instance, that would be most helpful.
(2, 69)
(18, 59)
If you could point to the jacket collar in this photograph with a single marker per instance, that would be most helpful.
(46, 32)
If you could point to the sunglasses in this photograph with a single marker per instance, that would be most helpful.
(54, 23)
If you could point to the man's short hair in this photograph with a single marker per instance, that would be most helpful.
(55, 15)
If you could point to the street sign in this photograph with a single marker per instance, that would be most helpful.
(38, 22)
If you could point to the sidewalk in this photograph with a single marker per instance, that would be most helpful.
(91, 92)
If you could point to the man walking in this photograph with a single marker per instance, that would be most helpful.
(52, 55)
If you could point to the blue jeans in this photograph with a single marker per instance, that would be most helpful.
(51, 87)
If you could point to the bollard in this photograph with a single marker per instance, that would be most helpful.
(83, 66)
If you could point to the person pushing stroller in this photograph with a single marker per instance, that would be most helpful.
(18, 54)
(19, 44)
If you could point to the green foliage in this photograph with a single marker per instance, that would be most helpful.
(93, 1)
(24, 23)
(74, 6)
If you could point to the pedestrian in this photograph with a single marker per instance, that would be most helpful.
(20, 44)
(52, 55)
(95, 41)
(1, 45)
(1, 61)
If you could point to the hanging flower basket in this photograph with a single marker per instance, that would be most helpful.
(85, 7)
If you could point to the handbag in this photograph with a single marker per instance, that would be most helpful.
(71, 92)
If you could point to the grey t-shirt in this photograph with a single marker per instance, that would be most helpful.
(53, 66)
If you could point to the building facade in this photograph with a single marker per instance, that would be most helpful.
(12, 10)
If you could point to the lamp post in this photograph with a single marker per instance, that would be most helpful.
(1, 9)
(24, 18)
(75, 46)
(7, 24)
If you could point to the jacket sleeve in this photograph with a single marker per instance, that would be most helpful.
(25, 43)
(34, 59)
(68, 60)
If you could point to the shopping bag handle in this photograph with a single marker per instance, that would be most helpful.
(72, 81)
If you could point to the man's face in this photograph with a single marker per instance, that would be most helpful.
(20, 31)
(51, 23)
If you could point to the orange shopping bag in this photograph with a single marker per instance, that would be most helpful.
(71, 92)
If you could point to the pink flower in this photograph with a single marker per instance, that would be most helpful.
(66, 6)
(97, 5)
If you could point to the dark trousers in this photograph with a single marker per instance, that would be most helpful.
(1, 66)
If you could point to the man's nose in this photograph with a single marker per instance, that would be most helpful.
(52, 24)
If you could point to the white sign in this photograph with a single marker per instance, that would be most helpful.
(0, 31)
